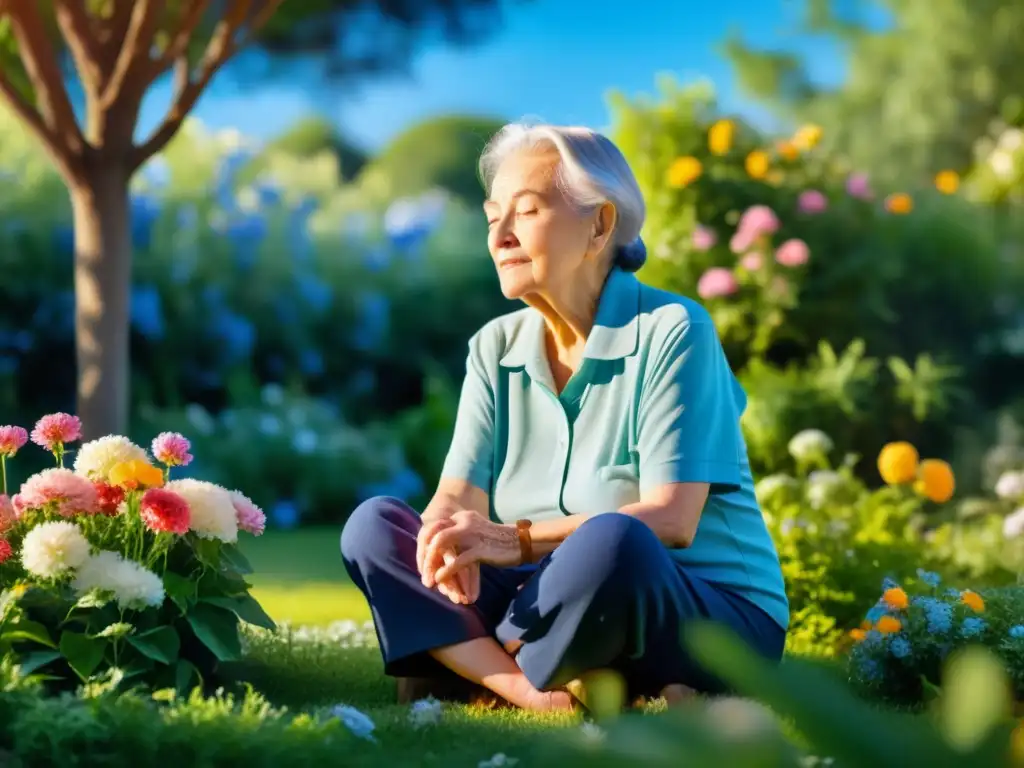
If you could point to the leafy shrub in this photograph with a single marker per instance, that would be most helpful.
(111, 571)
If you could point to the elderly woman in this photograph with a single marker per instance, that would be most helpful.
(596, 496)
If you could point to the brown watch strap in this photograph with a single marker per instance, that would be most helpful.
(525, 540)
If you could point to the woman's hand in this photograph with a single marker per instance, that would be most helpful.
(474, 539)
(464, 587)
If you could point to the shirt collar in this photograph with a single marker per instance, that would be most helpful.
(616, 331)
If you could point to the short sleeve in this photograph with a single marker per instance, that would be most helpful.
(471, 454)
(688, 428)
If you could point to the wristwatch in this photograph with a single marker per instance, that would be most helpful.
(525, 541)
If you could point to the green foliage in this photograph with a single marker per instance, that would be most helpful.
(438, 153)
(310, 137)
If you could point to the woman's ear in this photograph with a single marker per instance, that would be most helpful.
(604, 225)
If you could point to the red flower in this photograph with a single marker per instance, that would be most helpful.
(110, 498)
(5, 551)
(164, 511)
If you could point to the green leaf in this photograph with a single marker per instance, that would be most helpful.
(28, 630)
(184, 673)
(207, 551)
(233, 555)
(93, 599)
(83, 653)
(30, 662)
(161, 644)
(217, 628)
(246, 608)
(181, 590)
(976, 697)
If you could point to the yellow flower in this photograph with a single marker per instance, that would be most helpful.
(720, 137)
(858, 635)
(887, 625)
(972, 600)
(935, 481)
(757, 164)
(895, 598)
(136, 474)
(947, 182)
(807, 137)
(900, 203)
(684, 171)
(775, 177)
(897, 463)
(787, 150)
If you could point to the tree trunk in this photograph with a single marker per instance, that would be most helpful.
(103, 263)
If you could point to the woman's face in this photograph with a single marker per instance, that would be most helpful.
(539, 241)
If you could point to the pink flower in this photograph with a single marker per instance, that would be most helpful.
(704, 238)
(11, 440)
(752, 262)
(759, 220)
(250, 517)
(716, 282)
(171, 448)
(742, 241)
(793, 253)
(858, 185)
(108, 498)
(68, 493)
(54, 431)
(165, 511)
(7, 515)
(812, 201)
(5, 551)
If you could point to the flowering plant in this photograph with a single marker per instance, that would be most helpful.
(113, 567)
(902, 645)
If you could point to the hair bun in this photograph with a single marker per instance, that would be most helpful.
(631, 256)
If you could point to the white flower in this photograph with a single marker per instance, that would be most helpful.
(1010, 485)
(769, 485)
(50, 549)
(500, 759)
(132, 586)
(1012, 138)
(1002, 163)
(820, 485)
(1013, 525)
(360, 725)
(96, 458)
(592, 732)
(809, 444)
(425, 712)
(213, 513)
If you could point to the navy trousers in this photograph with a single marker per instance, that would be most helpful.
(610, 597)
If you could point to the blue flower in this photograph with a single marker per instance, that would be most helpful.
(315, 292)
(953, 593)
(888, 583)
(376, 258)
(64, 241)
(311, 362)
(285, 514)
(872, 639)
(939, 615)
(1017, 631)
(374, 319)
(900, 647)
(145, 210)
(247, 234)
(877, 611)
(237, 333)
(870, 668)
(928, 577)
(972, 627)
(146, 311)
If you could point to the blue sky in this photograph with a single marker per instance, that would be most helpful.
(553, 59)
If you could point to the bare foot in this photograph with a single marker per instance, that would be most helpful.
(552, 701)
(677, 694)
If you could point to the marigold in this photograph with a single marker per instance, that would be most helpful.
(684, 171)
(757, 164)
(935, 481)
(808, 136)
(865, 625)
(947, 182)
(900, 203)
(888, 625)
(896, 599)
(720, 137)
(136, 474)
(858, 635)
(787, 150)
(897, 463)
(972, 600)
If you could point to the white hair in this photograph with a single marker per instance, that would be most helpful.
(592, 171)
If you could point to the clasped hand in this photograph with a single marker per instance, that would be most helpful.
(449, 552)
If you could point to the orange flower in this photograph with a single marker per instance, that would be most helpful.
(136, 474)
(787, 150)
(947, 182)
(900, 203)
(720, 137)
(887, 625)
(807, 137)
(757, 164)
(858, 635)
(897, 463)
(865, 625)
(935, 481)
(895, 598)
(684, 171)
(972, 600)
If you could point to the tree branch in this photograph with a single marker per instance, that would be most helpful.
(43, 69)
(142, 28)
(177, 46)
(76, 27)
(222, 46)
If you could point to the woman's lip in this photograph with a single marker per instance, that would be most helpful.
(512, 262)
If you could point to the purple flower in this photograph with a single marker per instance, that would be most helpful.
(857, 185)
(812, 201)
(704, 238)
